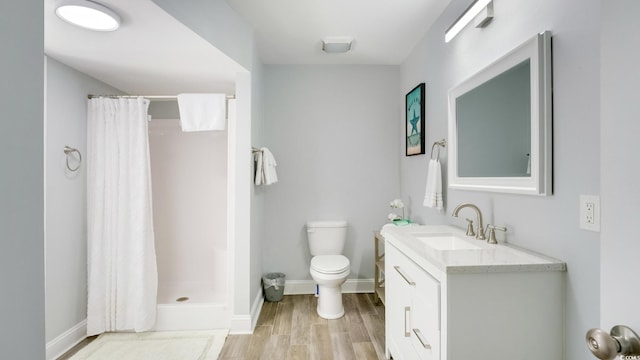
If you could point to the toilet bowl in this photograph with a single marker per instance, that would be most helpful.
(330, 272)
(329, 269)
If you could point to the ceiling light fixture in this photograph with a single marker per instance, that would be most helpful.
(87, 14)
(474, 9)
(337, 44)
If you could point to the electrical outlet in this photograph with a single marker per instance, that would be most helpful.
(590, 212)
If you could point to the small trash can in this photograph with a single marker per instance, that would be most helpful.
(273, 284)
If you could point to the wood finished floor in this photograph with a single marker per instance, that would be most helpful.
(291, 329)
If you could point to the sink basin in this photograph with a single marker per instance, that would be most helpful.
(446, 242)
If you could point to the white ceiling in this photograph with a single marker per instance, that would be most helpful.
(291, 31)
(151, 54)
(154, 54)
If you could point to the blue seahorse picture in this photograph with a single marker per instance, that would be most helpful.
(415, 120)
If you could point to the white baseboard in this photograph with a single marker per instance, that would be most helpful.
(65, 341)
(301, 287)
(256, 308)
(244, 324)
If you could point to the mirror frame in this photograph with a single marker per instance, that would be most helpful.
(538, 50)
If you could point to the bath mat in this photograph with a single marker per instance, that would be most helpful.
(163, 345)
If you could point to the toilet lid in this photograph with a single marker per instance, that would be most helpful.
(330, 264)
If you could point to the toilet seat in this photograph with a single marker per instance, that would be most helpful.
(330, 264)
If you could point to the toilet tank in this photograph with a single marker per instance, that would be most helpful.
(326, 237)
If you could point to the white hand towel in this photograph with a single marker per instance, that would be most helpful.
(433, 192)
(202, 112)
(268, 167)
(259, 168)
(265, 168)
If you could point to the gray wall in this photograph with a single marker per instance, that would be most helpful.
(164, 110)
(21, 183)
(545, 224)
(66, 224)
(620, 174)
(334, 133)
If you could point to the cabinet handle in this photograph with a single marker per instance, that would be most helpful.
(407, 309)
(410, 282)
(422, 341)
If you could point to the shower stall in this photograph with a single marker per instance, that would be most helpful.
(189, 185)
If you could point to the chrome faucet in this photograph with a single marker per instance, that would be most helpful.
(480, 228)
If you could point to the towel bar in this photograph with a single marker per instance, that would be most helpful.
(67, 151)
(439, 143)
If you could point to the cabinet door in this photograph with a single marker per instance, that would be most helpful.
(425, 326)
(426, 315)
(412, 310)
(398, 309)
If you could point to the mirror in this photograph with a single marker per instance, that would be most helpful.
(500, 124)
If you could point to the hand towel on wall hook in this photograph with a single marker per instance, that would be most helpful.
(433, 191)
(265, 169)
(68, 151)
(436, 146)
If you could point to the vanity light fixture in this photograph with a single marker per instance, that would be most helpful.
(337, 44)
(472, 11)
(87, 14)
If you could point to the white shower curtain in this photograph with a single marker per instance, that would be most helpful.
(122, 271)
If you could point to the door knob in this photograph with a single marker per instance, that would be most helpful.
(621, 341)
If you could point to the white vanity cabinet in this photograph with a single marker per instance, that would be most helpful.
(490, 303)
(413, 309)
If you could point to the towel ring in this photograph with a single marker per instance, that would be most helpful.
(67, 151)
(439, 143)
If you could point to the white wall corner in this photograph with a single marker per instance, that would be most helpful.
(65, 341)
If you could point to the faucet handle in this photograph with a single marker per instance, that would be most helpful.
(492, 233)
(470, 231)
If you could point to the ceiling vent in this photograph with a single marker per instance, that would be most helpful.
(337, 44)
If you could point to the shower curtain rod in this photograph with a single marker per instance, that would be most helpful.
(150, 97)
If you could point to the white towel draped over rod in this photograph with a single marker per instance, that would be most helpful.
(150, 97)
(198, 111)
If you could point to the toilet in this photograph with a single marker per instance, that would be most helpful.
(329, 268)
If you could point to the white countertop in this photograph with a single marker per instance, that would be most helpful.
(486, 258)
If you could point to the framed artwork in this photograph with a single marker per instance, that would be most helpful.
(414, 111)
